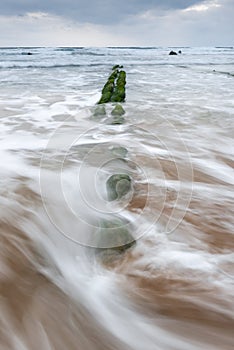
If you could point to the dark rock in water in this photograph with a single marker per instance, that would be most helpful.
(106, 97)
(119, 90)
(116, 67)
(172, 53)
(118, 110)
(118, 185)
(113, 235)
(122, 76)
(108, 87)
(116, 97)
(114, 89)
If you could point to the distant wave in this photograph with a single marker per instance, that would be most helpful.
(86, 53)
(69, 49)
(224, 73)
(14, 66)
(79, 51)
(224, 47)
(134, 47)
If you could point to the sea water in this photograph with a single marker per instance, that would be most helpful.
(173, 288)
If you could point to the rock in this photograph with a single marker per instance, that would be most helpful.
(121, 77)
(106, 97)
(118, 110)
(117, 97)
(118, 185)
(114, 89)
(120, 152)
(113, 235)
(119, 90)
(172, 53)
(116, 67)
(108, 87)
(118, 120)
(99, 111)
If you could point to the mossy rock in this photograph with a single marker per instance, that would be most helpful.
(114, 89)
(111, 80)
(121, 76)
(118, 185)
(116, 67)
(108, 87)
(106, 97)
(121, 83)
(99, 111)
(114, 74)
(122, 73)
(117, 98)
(114, 235)
(121, 93)
(118, 110)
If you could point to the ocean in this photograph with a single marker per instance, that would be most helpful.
(152, 268)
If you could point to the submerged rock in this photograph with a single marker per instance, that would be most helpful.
(99, 111)
(118, 110)
(119, 151)
(117, 120)
(117, 186)
(113, 235)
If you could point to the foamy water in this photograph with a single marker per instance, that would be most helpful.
(173, 289)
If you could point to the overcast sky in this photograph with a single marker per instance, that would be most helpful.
(116, 23)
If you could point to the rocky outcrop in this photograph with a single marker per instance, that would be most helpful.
(172, 53)
(118, 110)
(113, 235)
(118, 185)
(99, 111)
(114, 89)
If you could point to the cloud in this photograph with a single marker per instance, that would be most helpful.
(170, 23)
(92, 11)
(207, 23)
(203, 6)
(43, 29)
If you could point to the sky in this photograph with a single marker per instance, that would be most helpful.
(116, 23)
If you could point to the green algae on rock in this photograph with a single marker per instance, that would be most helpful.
(114, 88)
(116, 67)
(118, 185)
(118, 110)
(114, 235)
(119, 89)
(99, 111)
